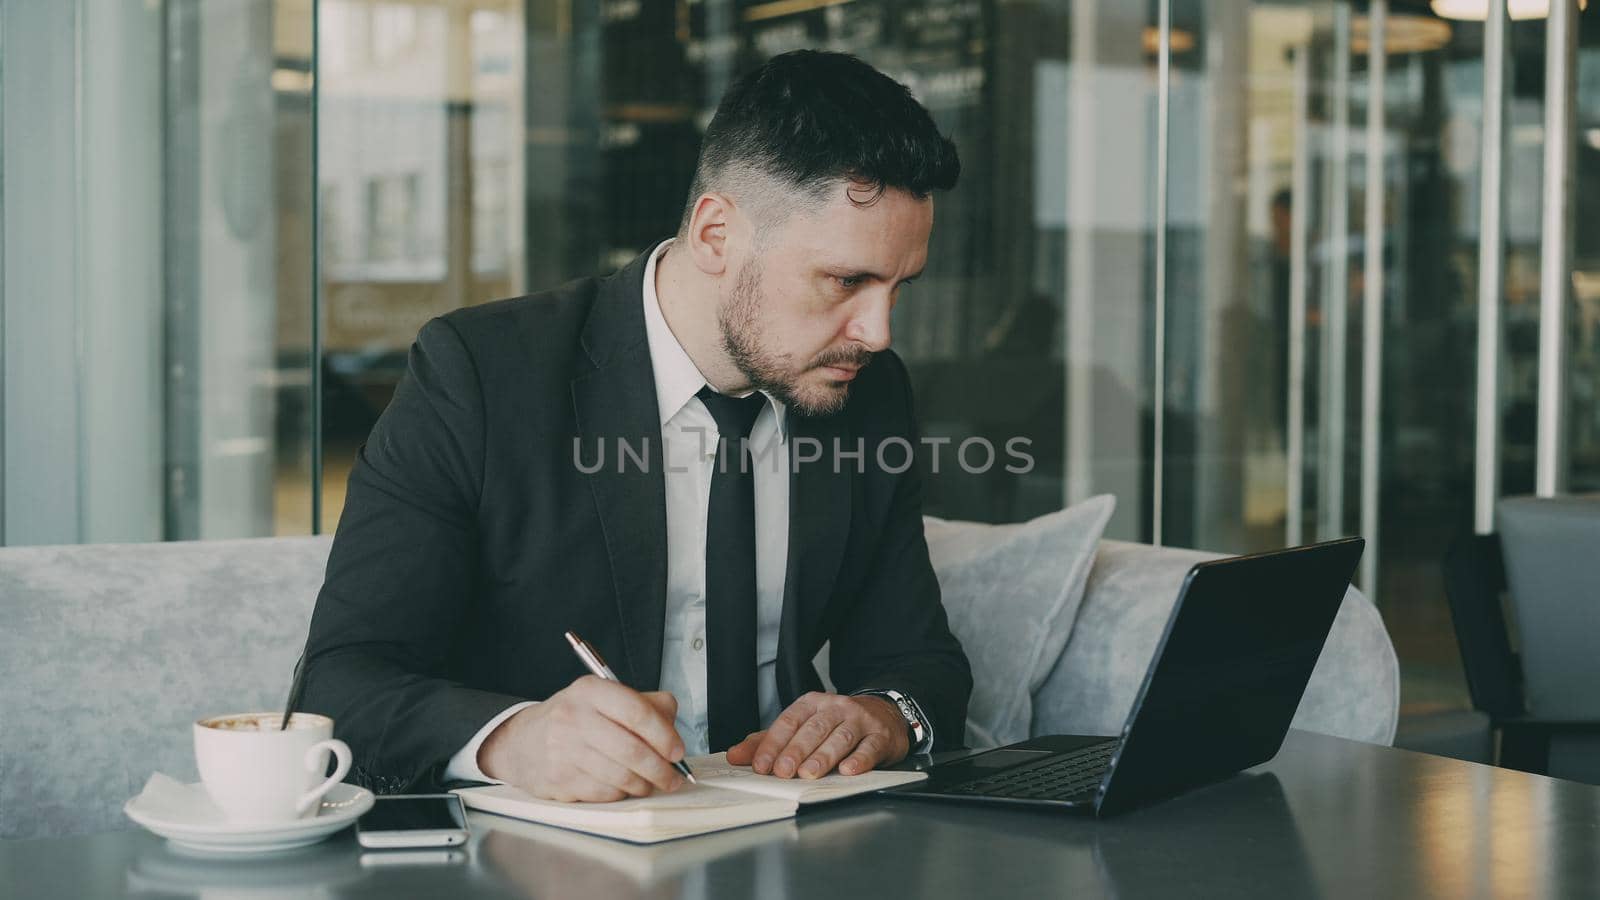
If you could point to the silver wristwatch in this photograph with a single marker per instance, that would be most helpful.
(919, 732)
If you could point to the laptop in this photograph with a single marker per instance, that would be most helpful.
(1218, 697)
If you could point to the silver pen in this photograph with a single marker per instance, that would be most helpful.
(597, 666)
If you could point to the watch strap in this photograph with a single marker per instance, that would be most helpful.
(919, 732)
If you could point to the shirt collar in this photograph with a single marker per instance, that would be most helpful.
(678, 379)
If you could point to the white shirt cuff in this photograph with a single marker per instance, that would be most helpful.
(464, 765)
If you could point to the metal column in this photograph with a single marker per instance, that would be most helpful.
(1372, 294)
(1336, 296)
(1491, 260)
(1163, 108)
(1555, 257)
(1299, 231)
(1080, 257)
(316, 271)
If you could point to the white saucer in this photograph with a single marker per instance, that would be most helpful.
(196, 824)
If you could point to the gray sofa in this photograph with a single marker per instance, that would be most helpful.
(109, 652)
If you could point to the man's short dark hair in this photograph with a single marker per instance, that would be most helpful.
(808, 120)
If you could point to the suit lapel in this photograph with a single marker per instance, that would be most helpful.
(616, 402)
(819, 523)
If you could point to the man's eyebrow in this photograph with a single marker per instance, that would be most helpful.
(847, 272)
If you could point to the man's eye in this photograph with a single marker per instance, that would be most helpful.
(848, 281)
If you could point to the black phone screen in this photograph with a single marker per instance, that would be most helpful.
(402, 813)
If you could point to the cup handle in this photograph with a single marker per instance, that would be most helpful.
(316, 763)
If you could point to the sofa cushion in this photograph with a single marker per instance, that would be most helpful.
(109, 652)
(1554, 578)
(1354, 690)
(1012, 593)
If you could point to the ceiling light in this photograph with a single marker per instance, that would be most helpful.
(780, 8)
(1402, 34)
(1182, 41)
(1478, 10)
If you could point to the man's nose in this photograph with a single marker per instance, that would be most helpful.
(870, 325)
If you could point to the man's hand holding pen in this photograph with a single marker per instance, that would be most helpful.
(594, 740)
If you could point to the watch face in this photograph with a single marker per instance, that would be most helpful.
(912, 725)
(909, 713)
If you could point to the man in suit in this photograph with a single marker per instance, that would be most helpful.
(690, 464)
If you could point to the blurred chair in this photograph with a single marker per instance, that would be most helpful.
(1474, 579)
(1537, 691)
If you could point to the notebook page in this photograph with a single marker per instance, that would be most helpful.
(715, 771)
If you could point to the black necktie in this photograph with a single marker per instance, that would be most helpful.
(731, 572)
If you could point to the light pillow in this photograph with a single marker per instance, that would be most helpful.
(1012, 594)
(1354, 691)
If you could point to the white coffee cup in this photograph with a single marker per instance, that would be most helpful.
(256, 773)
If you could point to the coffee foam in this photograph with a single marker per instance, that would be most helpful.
(256, 722)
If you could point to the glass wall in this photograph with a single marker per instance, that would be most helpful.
(1583, 361)
(420, 176)
(618, 94)
(225, 221)
(157, 297)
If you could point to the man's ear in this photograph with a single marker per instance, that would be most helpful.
(710, 226)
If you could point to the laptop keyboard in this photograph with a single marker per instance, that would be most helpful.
(1065, 777)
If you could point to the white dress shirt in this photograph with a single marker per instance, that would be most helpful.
(689, 439)
(689, 442)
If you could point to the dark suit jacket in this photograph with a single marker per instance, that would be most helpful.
(470, 540)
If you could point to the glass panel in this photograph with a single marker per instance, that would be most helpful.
(1432, 146)
(1230, 483)
(1524, 176)
(157, 301)
(295, 191)
(238, 264)
(1240, 121)
(476, 150)
(1583, 427)
(1095, 161)
(42, 431)
(1525, 172)
(611, 137)
(1228, 273)
(420, 176)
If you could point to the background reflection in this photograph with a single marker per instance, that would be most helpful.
(227, 219)
(541, 861)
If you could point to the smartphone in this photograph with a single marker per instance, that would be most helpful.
(413, 820)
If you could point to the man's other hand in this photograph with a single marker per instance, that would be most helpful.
(595, 741)
(819, 732)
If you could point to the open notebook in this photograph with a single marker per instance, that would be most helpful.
(727, 796)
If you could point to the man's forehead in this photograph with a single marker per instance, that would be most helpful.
(842, 231)
(840, 255)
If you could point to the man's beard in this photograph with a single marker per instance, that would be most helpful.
(739, 320)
